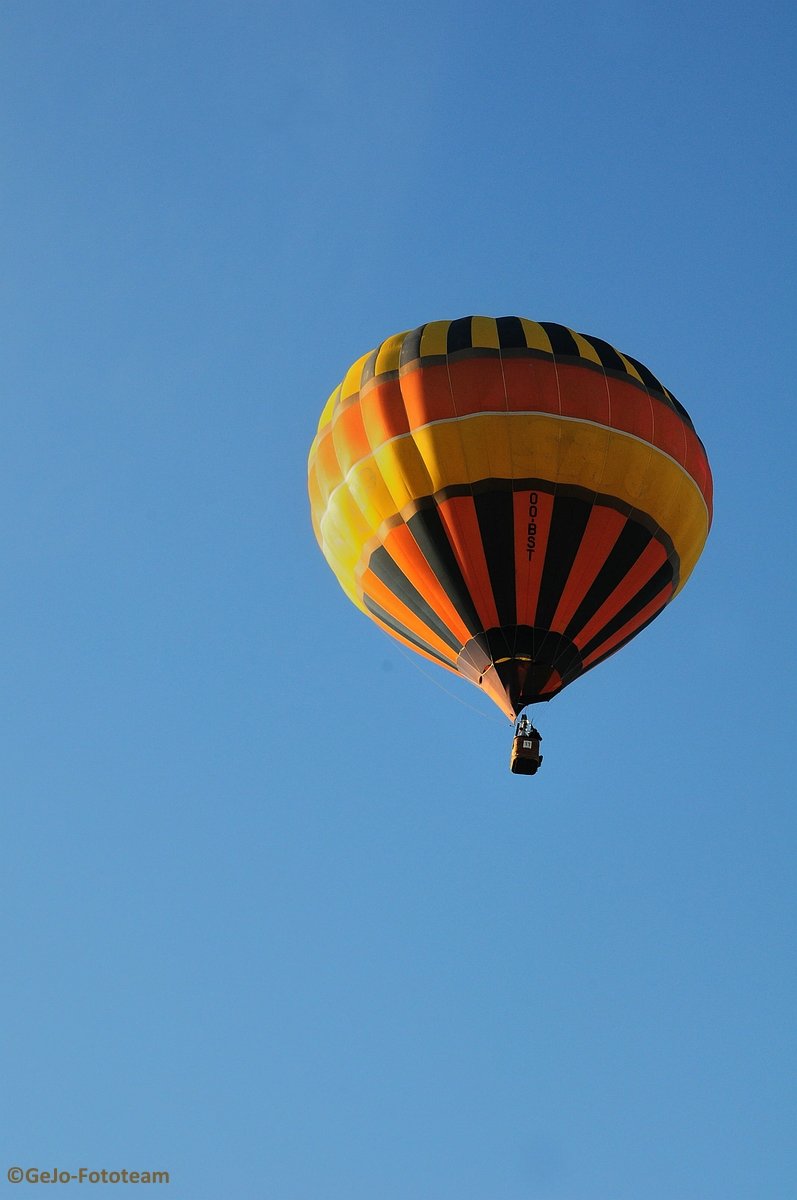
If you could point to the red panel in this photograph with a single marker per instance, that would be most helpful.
(698, 468)
(583, 393)
(427, 395)
(669, 431)
(631, 408)
(459, 518)
(383, 412)
(529, 559)
(531, 385)
(478, 385)
(528, 385)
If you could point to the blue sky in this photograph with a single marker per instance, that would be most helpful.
(275, 916)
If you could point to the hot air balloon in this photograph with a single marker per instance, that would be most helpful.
(511, 499)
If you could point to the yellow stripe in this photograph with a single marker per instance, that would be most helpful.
(585, 349)
(434, 339)
(351, 380)
(536, 337)
(631, 369)
(484, 332)
(388, 357)
(326, 417)
(468, 449)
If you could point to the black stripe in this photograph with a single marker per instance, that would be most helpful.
(566, 350)
(369, 369)
(545, 647)
(392, 623)
(609, 357)
(562, 490)
(602, 658)
(459, 335)
(512, 338)
(568, 522)
(648, 378)
(411, 347)
(630, 545)
(653, 385)
(679, 408)
(391, 575)
(635, 605)
(482, 486)
(511, 335)
(496, 516)
(429, 532)
(561, 339)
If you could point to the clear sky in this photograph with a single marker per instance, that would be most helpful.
(275, 916)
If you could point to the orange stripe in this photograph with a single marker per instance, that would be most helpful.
(488, 681)
(603, 529)
(635, 623)
(459, 518)
(492, 685)
(327, 467)
(411, 645)
(349, 436)
(383, 412)
(405, 551)
(646, 566)
(427, 395)
(393, 406)
(388, 600)
(528, 568)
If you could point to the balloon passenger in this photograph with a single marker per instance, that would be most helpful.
(525, 758)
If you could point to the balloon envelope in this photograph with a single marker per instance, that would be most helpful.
(511, 499)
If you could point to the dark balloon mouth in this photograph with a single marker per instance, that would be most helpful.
(532, 664)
